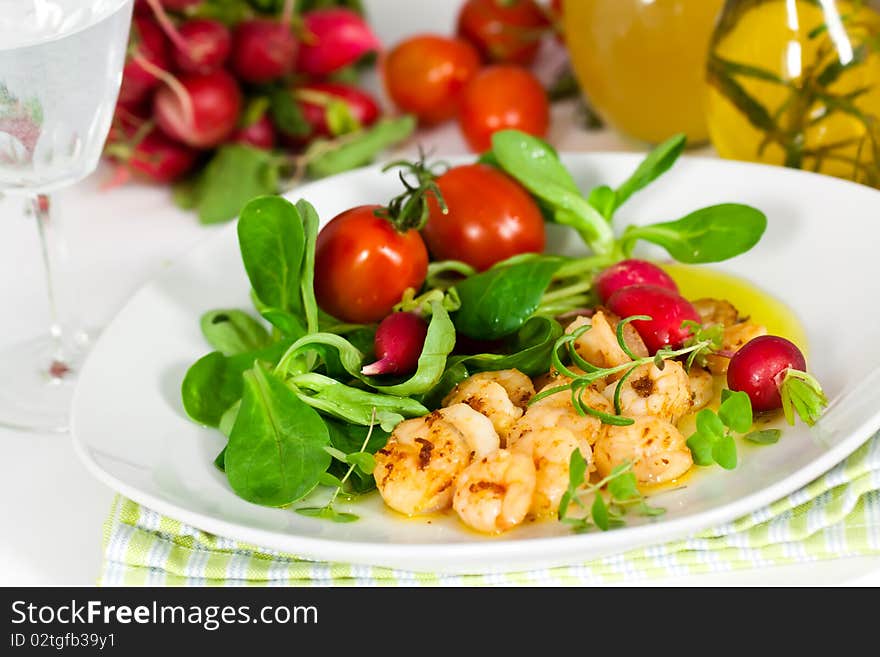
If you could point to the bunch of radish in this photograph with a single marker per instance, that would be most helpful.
(256, 80)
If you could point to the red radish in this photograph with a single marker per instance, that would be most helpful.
(666, 308)
(259, 134)
(315, 100)
(398, 343)
(263, 50)
(631, 272)
(126, 121)
(772, 372)
(149, 56)
(161, 159)
(333, 38)
(145, 151)
(179, 5)
(208, 43)
(214, 106)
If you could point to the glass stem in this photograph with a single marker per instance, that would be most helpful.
(40, 206)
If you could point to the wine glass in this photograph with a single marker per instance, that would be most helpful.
(60, 71)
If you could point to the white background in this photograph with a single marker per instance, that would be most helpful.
(51, 509)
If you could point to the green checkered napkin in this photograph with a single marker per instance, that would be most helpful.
(837, 515)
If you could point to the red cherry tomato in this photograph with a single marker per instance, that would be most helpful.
(759, 366)
(363, 265)
(502, 97)
(426, 74)
(490, 218)
(631, 272)
(507, 32)
(666, 308)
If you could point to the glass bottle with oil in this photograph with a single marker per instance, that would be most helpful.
(797, 83)
(642, 63)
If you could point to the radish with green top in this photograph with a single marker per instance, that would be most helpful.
(772, 372)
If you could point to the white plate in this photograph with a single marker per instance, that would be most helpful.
(819, 255)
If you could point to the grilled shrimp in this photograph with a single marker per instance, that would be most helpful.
(555, 378)
(599, 344)
(416, 470)
(557, 411)
(655, 447)
(476, 428)
(716, 311)
(501, 396)
(651, 391)
(735, 336)
(495, 493)
(702, 387)
(550, 450)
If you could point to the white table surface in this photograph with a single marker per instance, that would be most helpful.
(51, 509)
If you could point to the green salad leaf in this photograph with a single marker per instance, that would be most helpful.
(234, 332)
(537, 167)
(499, 301)
(214, 382)
(276, 453)
(710, 234)
(655, 164)
(272, 242)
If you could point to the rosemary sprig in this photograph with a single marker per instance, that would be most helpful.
(809, 99)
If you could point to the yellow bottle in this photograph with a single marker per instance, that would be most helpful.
(642, 63)
(797, 83)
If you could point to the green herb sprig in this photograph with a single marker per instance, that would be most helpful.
(361, 460)
(712, 333)
(622, 490)
(713, 441)
(802, 394)
(591, 373)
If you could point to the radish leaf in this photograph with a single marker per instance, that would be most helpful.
(236, 174)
